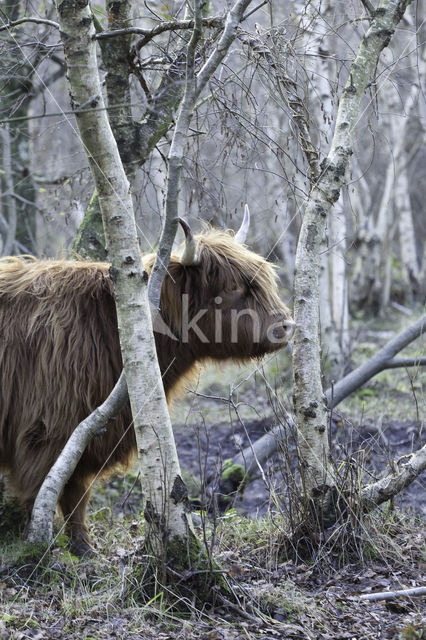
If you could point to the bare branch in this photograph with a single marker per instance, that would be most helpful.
(41, 525)
(391, 595)
(232, 21)
(171, 25)
(175, 166)
(289, 94)
(374, 365)
(400, 477)
(397, 363)
(250, 13)
(61, 113)
(15, 23)
(193, 87)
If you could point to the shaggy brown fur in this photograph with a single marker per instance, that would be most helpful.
(60, 354)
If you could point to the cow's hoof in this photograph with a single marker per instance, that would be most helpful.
(82, 548)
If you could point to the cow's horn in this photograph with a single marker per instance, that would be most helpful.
(189, 254)
(241, 234)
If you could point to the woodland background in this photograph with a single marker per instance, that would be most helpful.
(244, 147)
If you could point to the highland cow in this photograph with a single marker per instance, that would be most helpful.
(60, 354)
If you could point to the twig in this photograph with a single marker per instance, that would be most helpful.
(259, 6)
(130, 490)
(170, 25)
(289, 93)
(60, 113)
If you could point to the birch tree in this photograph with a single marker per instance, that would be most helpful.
(320, 60)
(169, 528)
(169, 533)
(319, 483)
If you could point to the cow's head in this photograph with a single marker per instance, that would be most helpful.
(222, 300)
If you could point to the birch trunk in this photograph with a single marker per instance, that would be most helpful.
(395, 207)
(333, 289)
(339, 284)
(165, 502)
(318, 480)
(11, 204)
(407, 239)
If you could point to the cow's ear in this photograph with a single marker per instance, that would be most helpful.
(189, 255)
(241, 234)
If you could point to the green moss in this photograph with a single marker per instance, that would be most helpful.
(234, 479)
(90, 240)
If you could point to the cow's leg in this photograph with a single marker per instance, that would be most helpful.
(73, 502)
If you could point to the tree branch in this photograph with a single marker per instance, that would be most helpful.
(193, 87)
(400, 477)
(264, 447)
(397, 363)
(289, 93)
(149, 34)
(15, 23)
(175, 167)
(370, 9)
(41, 524)
(381, 360)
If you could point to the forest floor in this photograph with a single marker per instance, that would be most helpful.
(282, 592)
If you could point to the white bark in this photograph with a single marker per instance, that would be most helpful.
(407, 239)
(334, 311)
(310, 406)
(395, 202)
(40, 528)
(400, 477)
(339, 285)
(320, 65)
(11, 204)
(165, 504)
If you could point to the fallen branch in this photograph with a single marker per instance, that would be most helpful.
(399, 478)
(374, 365)
(391, 595)
(258, 452)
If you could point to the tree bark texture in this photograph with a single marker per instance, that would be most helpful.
(309, 401)
(166, 516)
